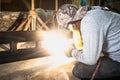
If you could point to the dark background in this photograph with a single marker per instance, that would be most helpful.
(25, 5)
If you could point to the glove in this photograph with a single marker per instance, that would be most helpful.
(68, 51)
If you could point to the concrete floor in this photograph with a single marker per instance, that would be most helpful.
(44, 68)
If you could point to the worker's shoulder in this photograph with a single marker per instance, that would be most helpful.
(100, 11)
(96, 12)
(99, 14)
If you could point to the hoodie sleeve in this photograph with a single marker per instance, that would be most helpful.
(93, 38)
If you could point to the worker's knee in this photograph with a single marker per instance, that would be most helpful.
(81, 70)
(76, 71)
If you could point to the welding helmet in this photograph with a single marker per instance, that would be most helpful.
(65, 14)
(69, 13)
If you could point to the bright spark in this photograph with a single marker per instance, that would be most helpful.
(55, 42)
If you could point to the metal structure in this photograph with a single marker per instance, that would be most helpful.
(33, 21)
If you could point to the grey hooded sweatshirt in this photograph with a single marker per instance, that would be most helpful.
(100, 31)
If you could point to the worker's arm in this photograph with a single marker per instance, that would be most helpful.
(93, 38)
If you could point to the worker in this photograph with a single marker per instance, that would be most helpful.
(100, 33)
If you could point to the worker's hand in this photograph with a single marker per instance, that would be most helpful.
(68, 51)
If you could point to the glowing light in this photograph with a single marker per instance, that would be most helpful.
(55, 42)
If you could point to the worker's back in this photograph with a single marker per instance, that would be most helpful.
(108, 23)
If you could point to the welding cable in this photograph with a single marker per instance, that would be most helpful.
(96, 69)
